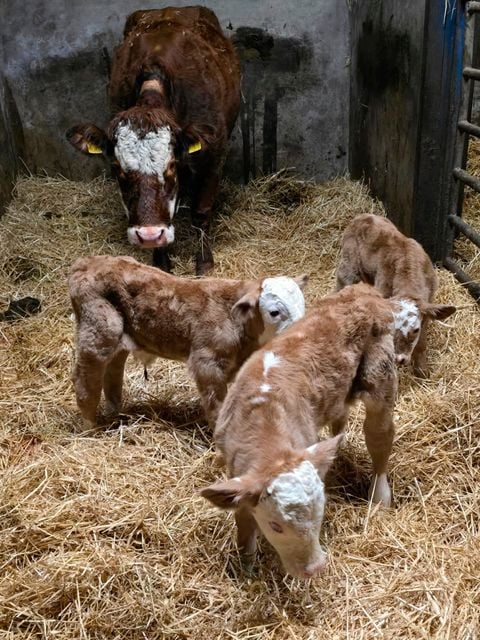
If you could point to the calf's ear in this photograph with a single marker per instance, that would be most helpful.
(302, 280)
(437, 311)
(90, 140)
(245, 307)
(322, 454)
(232, 493)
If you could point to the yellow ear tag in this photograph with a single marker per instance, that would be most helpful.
(92, 148)
(196, 146)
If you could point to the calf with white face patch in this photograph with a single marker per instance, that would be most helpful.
(267, 428)
(374, 251)
(175, 92)
(213, 325)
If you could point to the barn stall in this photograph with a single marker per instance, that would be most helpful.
(106, 536)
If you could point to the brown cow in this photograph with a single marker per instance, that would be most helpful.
(175, 94)
(213, 325)
(267, 429)
(374, 251)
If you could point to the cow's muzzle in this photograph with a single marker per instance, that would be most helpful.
(151, 236)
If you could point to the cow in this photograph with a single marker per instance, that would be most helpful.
(267, 428)
(123, 306)
(375, 251)
(175, 96)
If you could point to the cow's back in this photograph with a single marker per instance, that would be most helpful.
(188, 45)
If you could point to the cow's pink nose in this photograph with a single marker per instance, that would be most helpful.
(401, 359)
(150, 234)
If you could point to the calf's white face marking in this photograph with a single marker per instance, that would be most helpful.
(408, 322)
(281, 302)
(290, 514)
(148, 154)
(407, 317)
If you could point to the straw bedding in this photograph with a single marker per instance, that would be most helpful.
(107, 537)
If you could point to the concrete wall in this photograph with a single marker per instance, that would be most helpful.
(296, 80)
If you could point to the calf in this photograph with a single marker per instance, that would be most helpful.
(267, 427)
(122, 306)
(175, 95)
(374, 251)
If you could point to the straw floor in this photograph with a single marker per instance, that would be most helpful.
(106, 537)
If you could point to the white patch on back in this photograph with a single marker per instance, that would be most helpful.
(148, 155)
(270, 360)
(407, 317)
(299, 495)
(283, 297)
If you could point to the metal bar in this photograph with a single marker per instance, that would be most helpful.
(472, 287)
(468, 127)
(473, 7)
(467, 230)
(466, 178)
(470, 72)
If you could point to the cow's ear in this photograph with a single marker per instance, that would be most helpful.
(233, 493)
(302, 280)
(322, 454)
(196, 139)
(90, 140)
(245, 307)
(437, 311)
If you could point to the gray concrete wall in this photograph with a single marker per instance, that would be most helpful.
(296, 84)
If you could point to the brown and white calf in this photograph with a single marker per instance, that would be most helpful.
(175, 96)
(374, 251)
(122, 306)
(267, 429)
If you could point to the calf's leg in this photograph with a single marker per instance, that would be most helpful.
(211, 382)
(379, 430)
(113, 383)
(87, 378)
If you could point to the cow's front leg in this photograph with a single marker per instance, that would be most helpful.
(246, 538)
(202, 204)
(161, 259)
(204, 257)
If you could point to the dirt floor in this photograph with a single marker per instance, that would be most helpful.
(107, 536)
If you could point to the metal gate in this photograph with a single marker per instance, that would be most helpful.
(464, 131)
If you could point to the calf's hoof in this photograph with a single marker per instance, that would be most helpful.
(380, 492)
(86, 426)
(247, 561)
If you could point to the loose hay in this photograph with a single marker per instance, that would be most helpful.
(106, 536)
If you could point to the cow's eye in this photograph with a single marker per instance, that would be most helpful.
(416, 330)
(276, 527)
(274, 313)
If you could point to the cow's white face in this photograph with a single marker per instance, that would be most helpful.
(281, 303)
(408, 323)
(289, 513)
(148, 181)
